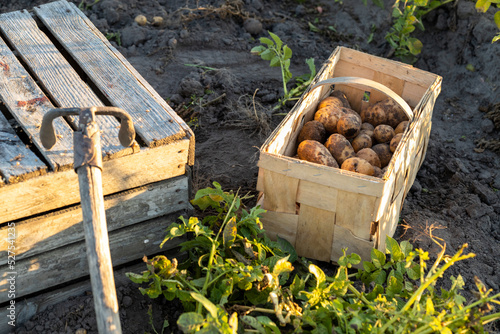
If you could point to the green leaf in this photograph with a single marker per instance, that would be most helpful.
(253, 322)
(282, 266)
(394, 287)
(286, 247)
(267, 54)
(268, 323)
(421, 3)
(396, 12)
(393, 248)
(277, 40)
(297, 285)
(368, 266)
(318, 273)
(378, 258)
(483, 5)
(275, 62)
(413, 272)
(415, 46)
(496, 17)
(209, 306)
(229, 233)
(379, 3)
(137, 278)
(287, 52)
(312, 27)
(406, 247)
(190, 322)
(267, 41)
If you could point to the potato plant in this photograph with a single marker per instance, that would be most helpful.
(236, 280)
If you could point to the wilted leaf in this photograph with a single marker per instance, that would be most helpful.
(209, 306)
(318, 273)
(229, 233)
(190, 322)
(253, 322)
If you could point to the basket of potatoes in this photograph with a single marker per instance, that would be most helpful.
(361, 141)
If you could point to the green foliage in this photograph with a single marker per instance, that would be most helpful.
(235, 279)
(116, 36)
(279, 54)
(86, 6)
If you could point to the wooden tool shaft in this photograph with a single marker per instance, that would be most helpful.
(98, 253)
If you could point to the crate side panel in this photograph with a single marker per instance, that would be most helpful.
(27, 103)
(280, 192)
(56, 190)
(57, 76)
(343, 238)
(17, 162)
(280, 224)
(112, 75)
(327, 176)
(315, 233)
(70, 262)
(48, 232)
(317, 195)
(355, 212)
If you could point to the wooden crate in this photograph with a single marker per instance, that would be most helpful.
(55, 57)
(322, 210)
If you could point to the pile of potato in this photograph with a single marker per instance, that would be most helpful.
(340, 137)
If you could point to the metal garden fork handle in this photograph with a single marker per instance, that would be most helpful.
(88, 166)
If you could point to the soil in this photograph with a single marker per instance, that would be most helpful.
(455, 196)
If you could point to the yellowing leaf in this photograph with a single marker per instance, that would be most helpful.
(483, 5)
(496, 17)
(216, 198)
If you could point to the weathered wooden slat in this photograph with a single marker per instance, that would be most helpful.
(56, 75)
(111, 74)
(17, 162)
(54, 230)
(315, 233)
(343, 238)
(354, 219)
(56, 190)
(27, 103)
(70, 262)
(283, 194)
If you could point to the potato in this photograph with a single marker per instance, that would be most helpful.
(141, 20)
(393, 112)
(384, 153)
(378, 172)
(373, 114)
(369, 155)
(367, 126)
(339, 147)
(358, 165)
(330, 101)
(401, 127)
(395, 142)
(314, 151)
(338, 94)
(351, 112)
(329, 116)
(348, 125)
(383, 133)
(312, 130)
(361, 141)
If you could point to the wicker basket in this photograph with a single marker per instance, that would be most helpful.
(322, 210)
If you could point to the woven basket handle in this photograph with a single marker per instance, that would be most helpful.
(355, 81)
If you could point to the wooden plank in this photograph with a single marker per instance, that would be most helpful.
(343, 238)
(70, 262)
(355, 212)
(111, 74)
(17, 162)
(56, 75)
(27, 103)
(328, 176)
(56, 190)
(280, 192)
(280, 224)
(317, 195)
(45, 233)
(315, 233)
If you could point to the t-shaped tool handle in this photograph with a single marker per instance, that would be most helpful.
(48, 134)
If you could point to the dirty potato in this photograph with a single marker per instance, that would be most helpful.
(330, 101)
(393, 112)
(383, 133)
(369, 155)
(384, 153)
(312, 130)
(362, 140)
(314, 151)
(348, 125)
(339, 147)
(373, 114)
(377, 172)
(329, 116)
(358, 165)
(341, 96)
(351, 112)
(401, 127)
(395, 142)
